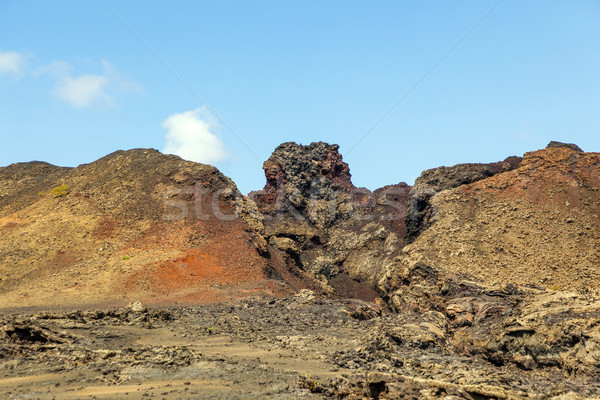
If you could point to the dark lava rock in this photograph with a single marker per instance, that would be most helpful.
(297, 174)
(571, 146)
(337, 233)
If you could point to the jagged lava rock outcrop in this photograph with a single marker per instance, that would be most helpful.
(135, 225)
(339, 234)
(298, 173)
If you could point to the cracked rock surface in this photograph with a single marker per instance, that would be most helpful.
(537, 346)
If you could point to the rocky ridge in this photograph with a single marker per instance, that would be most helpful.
(433, 181)
(536, 225)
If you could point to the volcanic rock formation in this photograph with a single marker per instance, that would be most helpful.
(337, 233)
(435, 180)
(536, 225)
(139, 223)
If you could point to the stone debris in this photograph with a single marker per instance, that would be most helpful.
(137, 307)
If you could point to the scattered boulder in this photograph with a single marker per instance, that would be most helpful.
(137, 307)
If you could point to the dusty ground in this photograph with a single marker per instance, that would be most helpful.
(247, 349)
(297, 347)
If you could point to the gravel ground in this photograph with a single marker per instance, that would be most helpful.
(297, 347)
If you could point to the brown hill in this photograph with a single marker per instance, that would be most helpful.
(536, 225)
(142, 225)
(134, 225)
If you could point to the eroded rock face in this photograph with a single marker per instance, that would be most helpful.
(335, 232)
(307, 181)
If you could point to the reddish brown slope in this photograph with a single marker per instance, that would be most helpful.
(536, 225)
(135, 225)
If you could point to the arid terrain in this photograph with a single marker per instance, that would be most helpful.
(298, 347)
(143, 275)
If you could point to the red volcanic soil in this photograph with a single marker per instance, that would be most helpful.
(113, 238)
(225, 265)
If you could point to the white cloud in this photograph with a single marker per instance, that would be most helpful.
(190, 136)
(83, 91)
(77, 90)
(12, 62)
(87, 90)
(55, 68)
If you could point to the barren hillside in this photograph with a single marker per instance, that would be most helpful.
(135, 225)
(537, 225)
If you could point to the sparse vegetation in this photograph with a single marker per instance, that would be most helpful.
(311, 384)
(42, 193)
(60, 191)
(125, 258)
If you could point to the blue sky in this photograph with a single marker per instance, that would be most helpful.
(227, 81)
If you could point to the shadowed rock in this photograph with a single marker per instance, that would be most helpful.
(571, 146)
